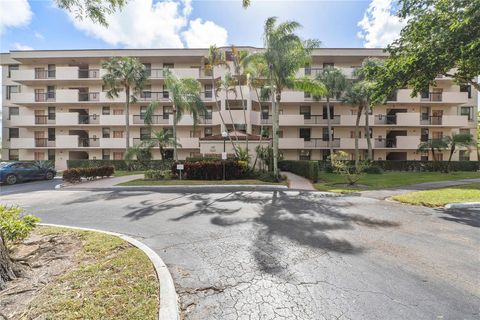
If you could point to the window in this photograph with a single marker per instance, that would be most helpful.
(165, 92)
(145, 133)
(39, 155)
(51, 113)
(117, 112)
(11, 68)
(118, 134)
(13, 133)
(425, 94)
(50, 92)
(208, 91)
(308, 69)
(105, 154)
(51, 71)
(328, 65)
(106, 110)
(437, 135)
(118, 155)
(51, 154)
(304, 154)
(13, 111)
(167, 110)
(307, 95)
(424, 158)
(147, 92)
(352, 134)
(208, 131)
(51, 134)
(324, 113)
(13, 154)
(106, 133)
(305, 133)
(143, 111)
(466, 88)
(464, 155)
(306, 111)
(325, 134)
(467, 111)
(10, 90)
(148, 69)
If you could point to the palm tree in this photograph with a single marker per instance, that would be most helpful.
(228, 85)
(432, 145)
(335, 83)
(246, 3)
(124, 73)
(457, 140)
(240, 60)
(184, 94)
(164, 139)
(285, 53)
(357, 95)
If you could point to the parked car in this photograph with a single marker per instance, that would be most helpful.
(13, 172)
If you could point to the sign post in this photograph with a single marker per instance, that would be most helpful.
(180, 168)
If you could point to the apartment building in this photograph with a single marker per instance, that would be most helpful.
(55, 107)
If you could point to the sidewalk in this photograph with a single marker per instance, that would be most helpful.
(104, 183)
(387, 193)
(297, 182)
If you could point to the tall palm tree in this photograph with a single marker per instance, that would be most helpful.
(216, 57)
(124, 73)
(164, 140)
(285, 53)
(432, 145)
(335, 83)
(228, 85)
(357, 95)
(240, 60)
(184, 94)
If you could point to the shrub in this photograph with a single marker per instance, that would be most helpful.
(413, 165)
(75, 175)
(158, 175)
(352, 173)
(122, 164)
(305, 168)
(268, 177)
(14, 225)
(373, 169)
(211, 170)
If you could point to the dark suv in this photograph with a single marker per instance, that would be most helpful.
(13, 172)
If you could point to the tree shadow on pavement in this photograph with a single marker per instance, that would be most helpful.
(148, 208)
(109, 195)
(470, 217)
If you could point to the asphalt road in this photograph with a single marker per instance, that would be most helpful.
(29, 186)
(291, 255)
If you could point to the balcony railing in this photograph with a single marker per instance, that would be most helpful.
(45, 96)
(44, 74)
(321, 143)
(88, 119)
(266, 119)
(41, 119)
(88, 96)
(433, 120)
(156, 119)
(385, 119)
(144, 140)
(44, 143)
(156, 73)
(154, 96)
(432, 96)
(88, 73)
(319, 119)
(386, 143)
(88, 142)
(207, 119)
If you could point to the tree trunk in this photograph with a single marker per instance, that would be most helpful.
(357, 125)
(175, 155)
(275, 128)
(452, 151)
(329, 125)
(433, 154)
(244, 107)
(127, 116)
(227, 104)
(261, 132)
(6, 266)
(367, 135)
(220, 112)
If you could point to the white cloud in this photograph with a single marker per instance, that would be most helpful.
(19, 46)
(203, 34)
(14, 13)
(379, 26)
(39, 36)
(144, 24)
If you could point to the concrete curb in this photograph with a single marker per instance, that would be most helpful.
(167, 295)
(182, 188)
(465, 205)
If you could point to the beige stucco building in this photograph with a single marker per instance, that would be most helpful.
(55, 107)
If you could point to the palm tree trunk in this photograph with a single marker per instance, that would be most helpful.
(275, 127)
(357, 127)
(367, 135)
(6, 266)
(227, 104)
(452, 151)
(244, 107)
(433, 154)
(261, 132)
(127, 116)
(329, 125)
(175, 155)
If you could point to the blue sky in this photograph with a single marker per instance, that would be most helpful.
(186, 23)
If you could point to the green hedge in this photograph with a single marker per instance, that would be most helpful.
(75, 175)
(122, 164)
(412, 165)
(212, 170)
(305, 168)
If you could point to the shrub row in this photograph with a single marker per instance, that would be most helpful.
(211, 170)
(412, 165)
(75, 175)
(305, 168)
(158, 175)
(122, 164)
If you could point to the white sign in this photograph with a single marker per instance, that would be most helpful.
(224, 156)
(179, 166)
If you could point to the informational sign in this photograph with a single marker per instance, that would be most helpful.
(180, 167)
(224, 156)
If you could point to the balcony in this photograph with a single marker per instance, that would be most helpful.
(21, 120)
(349, 143)
(319, 119)
(88, 142)
(45, 96)
(144, 140)
(321, 143)
(113, 143)
(431, 96)
(44, 143)
(350, 119)
(67, 141)
(178, 72)
(385, 119)
(112, 120)
(88, 96)
(399, 142)
(88, 73)
(156, 119)
(291, 120)
(291, 143)
(431, 120)
(22, 143)
(189, 143)
(41, 119)
(44, 74)
(266, 119)
(154, 96)
(88, 119)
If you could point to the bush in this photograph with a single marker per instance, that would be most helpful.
(268, 177)
(211, 170)
(122, 164)
(75, 175)
(413, 165)
(14, 226)
(373, 169)
(305, 168)
(158, 175)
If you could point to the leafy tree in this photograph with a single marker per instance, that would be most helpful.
(164, 140)
(95, 10)
(285, 53)
(128, 74)
(335, 83)
(184, 94)
(340, 165)
(441, 38)
(246, 3)
(432, 145)
(142, 153)
(457, 140)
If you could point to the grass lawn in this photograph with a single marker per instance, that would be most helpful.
(336, 183)
(141, 182)
(440, 197)
(111, 279)
(122, 173)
